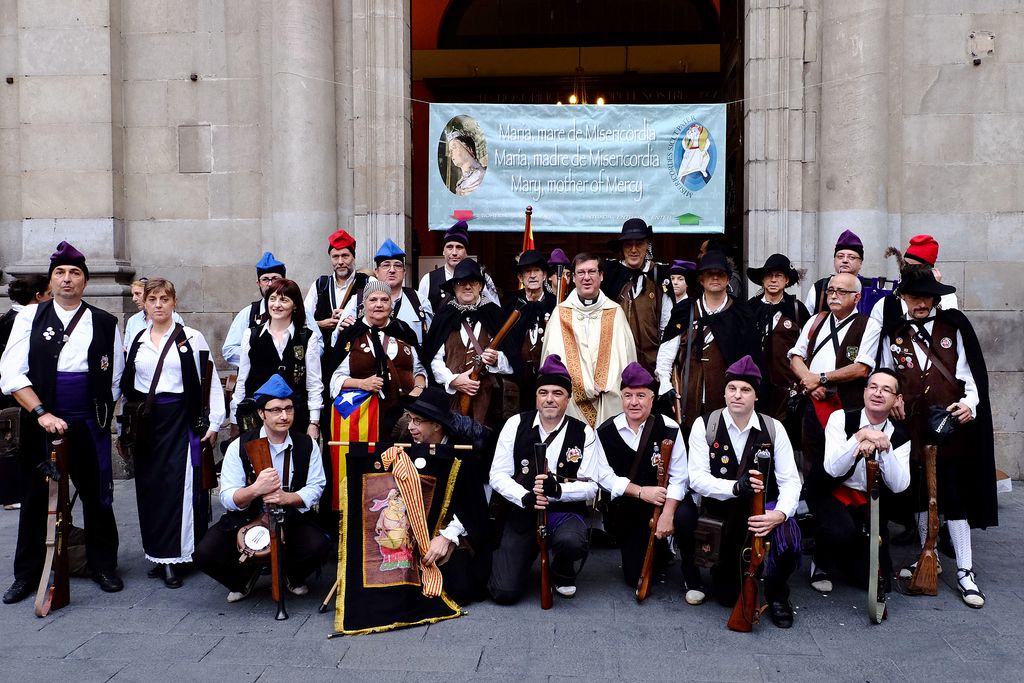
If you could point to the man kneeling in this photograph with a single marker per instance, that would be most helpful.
(514, 476)
(244, 492)
(722, 453)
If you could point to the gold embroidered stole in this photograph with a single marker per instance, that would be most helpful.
(572, 360)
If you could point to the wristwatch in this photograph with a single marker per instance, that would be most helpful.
(823, 380)
(39, 410)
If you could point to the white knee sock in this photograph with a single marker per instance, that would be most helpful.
(922, 526)
(960, 535)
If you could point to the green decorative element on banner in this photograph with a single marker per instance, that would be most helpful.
(688, 219)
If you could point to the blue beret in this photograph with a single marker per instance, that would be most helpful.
(275, 387)
(388, 250)
(269, 264)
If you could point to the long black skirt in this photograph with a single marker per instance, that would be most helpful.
(165, 483)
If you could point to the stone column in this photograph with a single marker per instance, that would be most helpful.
(303, 157)
(774, 130)
(374, 122)
(854, 129)
(70, 139)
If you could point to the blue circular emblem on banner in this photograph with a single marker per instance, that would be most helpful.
(695, 157)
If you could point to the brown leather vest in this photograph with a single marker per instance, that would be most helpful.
(783, 337)
(644, 316)
(850, 393)
(362, 364)
(458, 357)
(922, 389)
(706, 390)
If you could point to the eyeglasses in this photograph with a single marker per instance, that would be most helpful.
(267, 279)
(835, 291)
(586, 273)
(848, 257)
(876, 389)
(275, 412)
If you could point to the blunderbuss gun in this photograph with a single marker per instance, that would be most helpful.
(748, 608)
(546, 600)
(258, 451)
(465, 400)
(54, 590)
(643, 588)
(926, 576)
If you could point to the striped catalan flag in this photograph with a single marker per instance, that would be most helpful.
(354, 418)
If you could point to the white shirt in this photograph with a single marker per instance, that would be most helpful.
(706, 484)
(841, 453)
(74, 355)
(445, 376)
(971, 398)
(232, 349)
(138, 322)
(506, 462)
(314, 381)
(825, 359)
(490, 292)
(344, 370)
(407, 314)
(170, 381)
(601, 471)
(668, 350)
(336, 292)
(232, 474)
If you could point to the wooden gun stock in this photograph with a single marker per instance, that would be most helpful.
(258, 451)
(465, 400)
(546, 599)
(926, 576)
(208, 468)
(562, 290)
(643, 588)
(748, 606)
(56, 592)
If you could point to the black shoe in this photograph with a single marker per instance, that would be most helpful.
(108, 580)
(171, 578)
(19, 590)
(157, 572)
(781, 613)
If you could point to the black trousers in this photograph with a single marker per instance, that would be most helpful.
(628, 521)
(101, 540)
(465, 576)
(841, 543)
(305, 549)
(727, 575)
(568, 544)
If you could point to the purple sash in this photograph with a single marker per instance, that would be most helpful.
(784, 539)
(72, 404)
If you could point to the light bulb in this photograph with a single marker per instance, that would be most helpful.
(572, 98)
(600, 101)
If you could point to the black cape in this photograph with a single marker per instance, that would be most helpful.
(761, 316)
(532, 313)
(981, 486)
(449, 318)
(731, 328)
(397, 329)
(616, 275)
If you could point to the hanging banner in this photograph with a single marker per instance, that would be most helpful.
(581, 167)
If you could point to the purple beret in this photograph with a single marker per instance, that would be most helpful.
(558, 258)
(746, 370)
(681, 267)
(635, 376)
(459, 232)
(67, 255)
(552, 371)
(849, 240)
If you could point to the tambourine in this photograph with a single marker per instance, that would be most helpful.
(253, 539)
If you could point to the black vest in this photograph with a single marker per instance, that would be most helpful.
(44, 349)
(900, 435)
(189, 375)
(569, 460)
(725, 464)
(264, 362)
(255, 317)
(302, 451)
(324, 309)
(622, 458)
(437, 296)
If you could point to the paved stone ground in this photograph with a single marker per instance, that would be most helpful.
(150, 633)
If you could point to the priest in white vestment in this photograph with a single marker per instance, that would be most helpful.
(591, 334)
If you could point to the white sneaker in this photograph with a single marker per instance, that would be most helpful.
(694, 597)
(566, 591)
(820, 582)
(15, 506)
(301, 589)
(908, 572)
(235, 596)
(969, 591)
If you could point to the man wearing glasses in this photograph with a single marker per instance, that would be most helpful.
(848, 257)
(268, 270)
(832, 367)
(296, 483)
(851, 436)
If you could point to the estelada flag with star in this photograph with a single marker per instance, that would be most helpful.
(353, 419)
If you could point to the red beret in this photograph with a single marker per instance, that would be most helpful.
(923, 248)
(340, 239)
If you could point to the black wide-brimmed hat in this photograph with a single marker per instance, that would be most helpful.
(468, 269)
(433, 404)
(531, 258)
(923, 283)
(635, 229)
(775, 262)
(714, 259)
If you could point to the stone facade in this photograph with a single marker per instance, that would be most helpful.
(184, 137)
